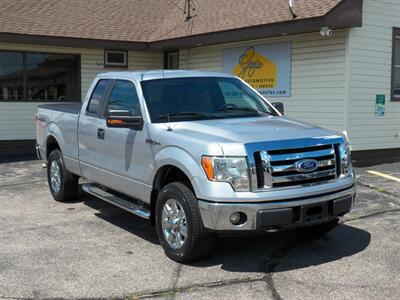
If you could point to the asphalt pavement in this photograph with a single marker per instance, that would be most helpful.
(89, 249)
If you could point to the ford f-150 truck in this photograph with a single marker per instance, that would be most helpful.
(198, 154)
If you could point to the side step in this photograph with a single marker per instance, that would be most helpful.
(136, 209)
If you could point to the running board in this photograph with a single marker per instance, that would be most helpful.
(117, 201)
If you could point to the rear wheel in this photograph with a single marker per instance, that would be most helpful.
(63, 184)
(179, 225)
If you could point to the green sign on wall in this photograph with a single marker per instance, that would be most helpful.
(380, 99)
(380, 105)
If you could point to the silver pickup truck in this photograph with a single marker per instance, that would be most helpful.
(198, 154)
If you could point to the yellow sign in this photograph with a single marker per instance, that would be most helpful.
(255, 69)
(267, 67)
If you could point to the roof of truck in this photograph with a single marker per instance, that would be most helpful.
(160, 74)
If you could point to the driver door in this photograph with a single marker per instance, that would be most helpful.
(122, 151)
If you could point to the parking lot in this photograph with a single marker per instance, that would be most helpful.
(89, 249)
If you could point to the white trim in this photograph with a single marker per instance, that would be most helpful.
(347, 79)
(116, 64)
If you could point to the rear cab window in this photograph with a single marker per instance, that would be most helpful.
(124, 96)
(97, 97)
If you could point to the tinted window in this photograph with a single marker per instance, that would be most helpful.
(236, 96)
(181, 99)
(43, 77)
(51, 77)
(11, 76)
(97, 97)
(124, 96)
(113, 57)
(116, 59)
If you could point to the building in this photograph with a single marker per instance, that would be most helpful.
(335, 63)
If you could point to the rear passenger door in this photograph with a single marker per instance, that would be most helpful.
(121, 153)
(88, 130)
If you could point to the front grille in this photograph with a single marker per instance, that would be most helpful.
(277, 168)
(259, 170)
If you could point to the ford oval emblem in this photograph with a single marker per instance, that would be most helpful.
(306, 165)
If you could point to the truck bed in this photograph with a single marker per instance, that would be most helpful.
(70, 107)
(61, 122)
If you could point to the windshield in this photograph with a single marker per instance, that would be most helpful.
(201, 98)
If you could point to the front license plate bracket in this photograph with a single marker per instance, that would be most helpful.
(314, 213)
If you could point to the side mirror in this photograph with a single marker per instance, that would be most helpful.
(122, 118)
(279, 107)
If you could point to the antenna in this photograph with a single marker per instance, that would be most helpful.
(189, 7)
(291, 8)
(169, 124)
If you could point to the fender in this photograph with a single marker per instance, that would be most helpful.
(68, 147)
(54, 131)
(203, 188)
(177, 157)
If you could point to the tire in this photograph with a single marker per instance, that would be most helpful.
(316, 231)
(67, 182)
(198, 242)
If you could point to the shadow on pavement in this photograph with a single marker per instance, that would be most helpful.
(17, 158)
(120, 218)
(266, 252)
(286, 250)
(344, 241)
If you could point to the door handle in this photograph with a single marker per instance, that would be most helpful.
(100, 133)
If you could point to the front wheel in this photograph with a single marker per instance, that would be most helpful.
(63, 184)
(179, 225)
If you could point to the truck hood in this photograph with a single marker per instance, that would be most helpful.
(250, 130)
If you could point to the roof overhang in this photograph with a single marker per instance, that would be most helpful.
(346, 14)
(71, 42)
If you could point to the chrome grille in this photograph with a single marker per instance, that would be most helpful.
(277, 168)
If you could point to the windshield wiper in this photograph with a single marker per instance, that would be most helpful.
(188, 114)
(231, 107)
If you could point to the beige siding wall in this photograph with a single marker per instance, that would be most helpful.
(369, 74)
(16, 119)
(318, 75)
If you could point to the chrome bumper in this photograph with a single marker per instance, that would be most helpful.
(216, 216)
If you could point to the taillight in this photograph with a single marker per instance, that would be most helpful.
(37, 120)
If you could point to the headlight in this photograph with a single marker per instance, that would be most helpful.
(345, 156)
(227, 169)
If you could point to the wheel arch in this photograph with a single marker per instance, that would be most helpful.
(166, 174)
(51, 144)
(54, 138)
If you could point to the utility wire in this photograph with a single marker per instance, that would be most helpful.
(176, 4)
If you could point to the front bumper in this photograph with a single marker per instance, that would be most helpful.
(278, 214)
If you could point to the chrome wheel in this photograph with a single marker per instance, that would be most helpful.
(174, 224)
(55, 176)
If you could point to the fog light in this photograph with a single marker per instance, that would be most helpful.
(238, 218)
(235, 218)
